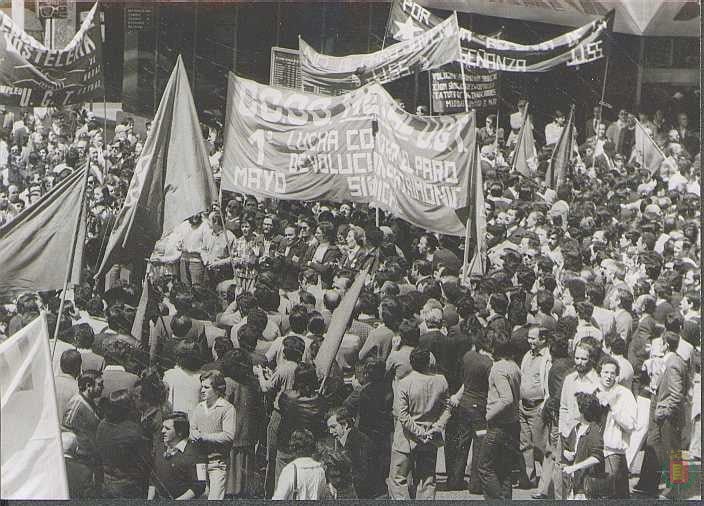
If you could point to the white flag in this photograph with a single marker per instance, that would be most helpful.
(32, 464)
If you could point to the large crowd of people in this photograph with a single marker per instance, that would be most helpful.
(577, 351)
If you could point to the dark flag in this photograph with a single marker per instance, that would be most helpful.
(35, 246)
(172, 179)
(338, 326)
(561, 155)
(525, 157)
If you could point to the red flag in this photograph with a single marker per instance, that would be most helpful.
(172, 178)
(525, 157)
(35, 246)
(561, 155)
(338, 326)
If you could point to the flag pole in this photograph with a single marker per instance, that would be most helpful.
(467, 230)
(72, 254)
(105, 134)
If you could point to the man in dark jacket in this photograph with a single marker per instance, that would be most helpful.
(175, 473)
(358, 447)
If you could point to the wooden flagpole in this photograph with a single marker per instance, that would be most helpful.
(72, 254)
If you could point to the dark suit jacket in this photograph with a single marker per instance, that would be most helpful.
(360, 450)
(331, 256)
(670, 397)
(644, 333)
(290, 265)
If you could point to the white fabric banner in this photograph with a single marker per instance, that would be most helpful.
(32, 460)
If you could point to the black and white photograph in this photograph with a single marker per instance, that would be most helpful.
(350, 250)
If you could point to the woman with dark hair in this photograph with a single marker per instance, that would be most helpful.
(246, 397)
(301, 408)
(303, 478)
(587, 450)
(152, 404)
(123, 449)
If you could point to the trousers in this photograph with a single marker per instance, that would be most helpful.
(532, 439)
(421, 462)
(497, 458)
(461, 434)
(192, 272)
(616, 467)
(217, 479)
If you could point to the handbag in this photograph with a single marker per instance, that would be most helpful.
(598, 486)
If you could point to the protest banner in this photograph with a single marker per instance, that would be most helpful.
(34, 75)
(447, 93)
(360, 147)
(422, 166)
(334, 75)
(582, 45)
(292, 145)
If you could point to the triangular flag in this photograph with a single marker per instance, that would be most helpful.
(476, 192)
(32, 458)
(561, 155)
(338, 326)
(36, 245)
(646, 151)
(172, 179)
(525, 157)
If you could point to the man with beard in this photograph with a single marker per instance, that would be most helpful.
(583, 379)
(192, 246)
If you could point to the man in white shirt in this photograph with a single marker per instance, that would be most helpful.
(554, 130)
(192, 246)
(620, 422)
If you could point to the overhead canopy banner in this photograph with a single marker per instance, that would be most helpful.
(34, 75)
(582, 45)
(334, 75)
(360, 147)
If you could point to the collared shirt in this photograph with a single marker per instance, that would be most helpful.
(218, 246)
(343, 438)
(569, 411)
(532, 370)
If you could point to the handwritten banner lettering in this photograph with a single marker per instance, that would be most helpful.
(359, 146)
